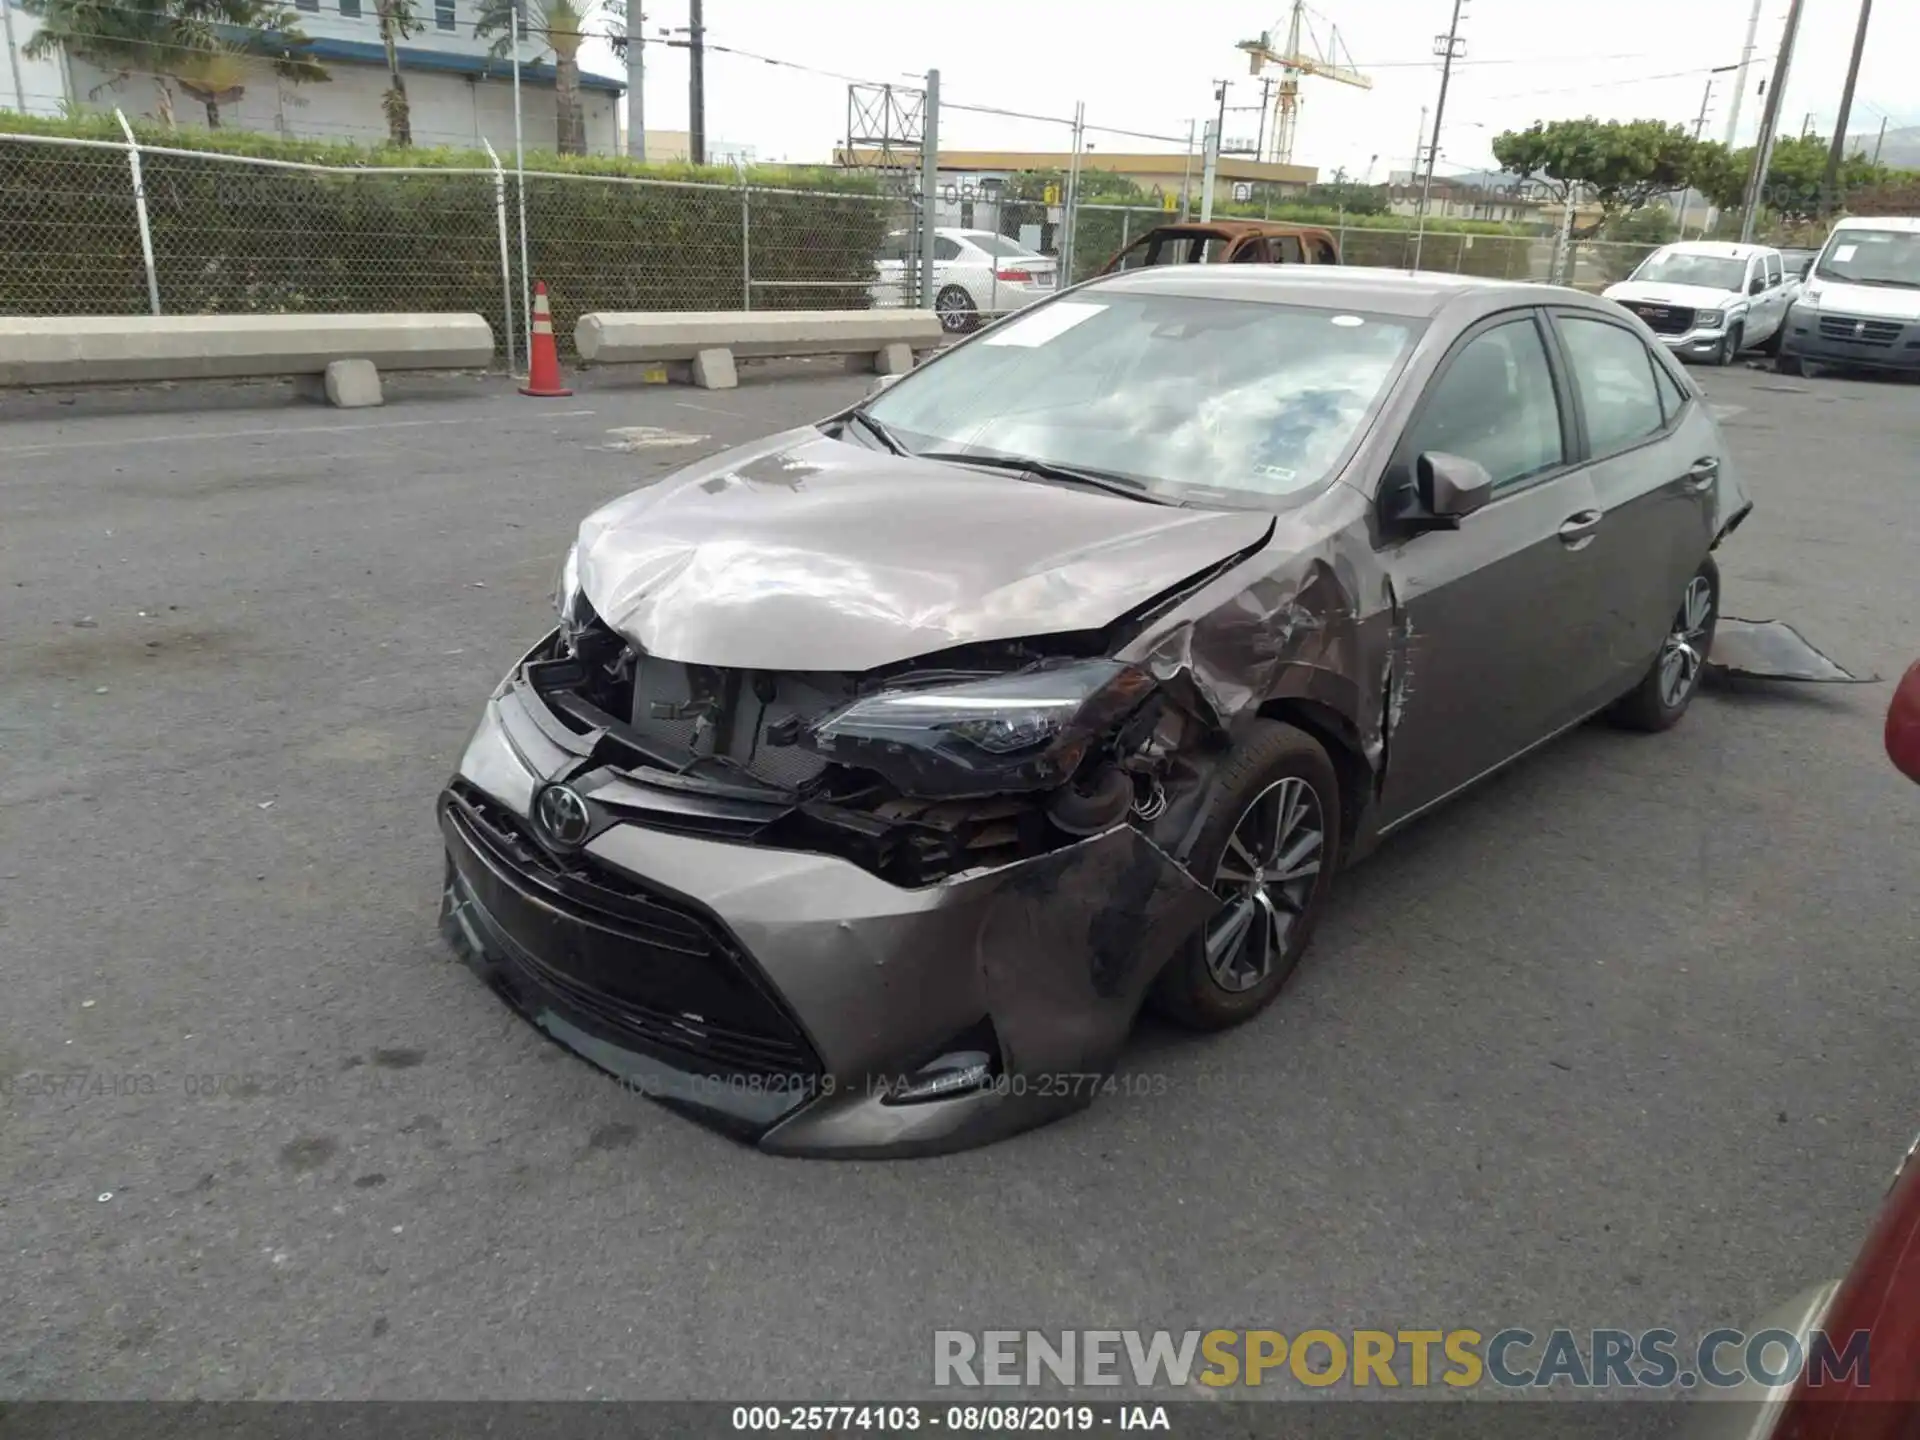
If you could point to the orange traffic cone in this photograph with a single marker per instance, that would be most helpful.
(544, 377)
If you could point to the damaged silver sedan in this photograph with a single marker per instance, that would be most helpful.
(877, 773)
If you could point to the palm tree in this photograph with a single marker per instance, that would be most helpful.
(200, 44)
(397, 23)
(563, 23)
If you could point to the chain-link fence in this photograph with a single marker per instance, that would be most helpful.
(1103, 230)
(99, 227)
(230, 234)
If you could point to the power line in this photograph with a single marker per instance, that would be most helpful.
(1616, 84)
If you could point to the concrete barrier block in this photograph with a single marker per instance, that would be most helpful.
(713, 370)
(353, 384)
(119, 349)
(894, 359)
(622, 338)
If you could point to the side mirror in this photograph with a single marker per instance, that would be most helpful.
(1450, 487)
(1756, 285)
(1806, 268)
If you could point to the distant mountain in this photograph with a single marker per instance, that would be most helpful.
(1901, 150)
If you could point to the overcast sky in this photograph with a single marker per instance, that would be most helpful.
(1151, 68)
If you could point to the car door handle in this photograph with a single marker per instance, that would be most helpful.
(1576, 530)
(1702, 473)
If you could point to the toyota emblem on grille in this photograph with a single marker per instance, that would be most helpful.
(562, 815)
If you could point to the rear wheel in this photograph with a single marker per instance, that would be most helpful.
(1268, 848)
(956, 310)
(1663, 694)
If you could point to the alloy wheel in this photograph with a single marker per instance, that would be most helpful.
(954, 310)
(1265, 880)
(1683, 655)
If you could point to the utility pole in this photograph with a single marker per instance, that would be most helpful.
(1881, 141)
(1806, 125)
(696, 82)
(1266, 103)
(13, 57)
(929, 183)
(1186, 171)
(636, 83)
(1686, 191)
(1769, 120)
(1451, 42)
(1210, 171)
(1740, 84)
(1836, 152)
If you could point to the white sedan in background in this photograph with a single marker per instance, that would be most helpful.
(975, 273)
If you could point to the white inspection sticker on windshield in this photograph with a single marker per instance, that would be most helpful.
(1844, 253)
(1348, 321)
(1044, 324)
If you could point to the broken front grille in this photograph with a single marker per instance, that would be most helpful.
(647, 970)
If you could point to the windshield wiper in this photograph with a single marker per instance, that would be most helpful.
(1064, 474)
(879, 431)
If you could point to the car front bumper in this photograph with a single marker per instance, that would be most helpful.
(1852, 340)
(782, 995)
(1696, 344)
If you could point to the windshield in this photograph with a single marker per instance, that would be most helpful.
(1000, 247)
(1872, 257)
(1715, 272)
(1194, 399)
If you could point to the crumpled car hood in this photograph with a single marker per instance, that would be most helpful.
(801, 552)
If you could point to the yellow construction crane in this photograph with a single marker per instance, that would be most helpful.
(1303, 55)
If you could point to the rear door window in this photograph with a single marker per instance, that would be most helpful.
(1289, 250)
(1613, 374)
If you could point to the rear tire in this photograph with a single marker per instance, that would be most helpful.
(1268, 847)
(1790, 365)
(1671, 682)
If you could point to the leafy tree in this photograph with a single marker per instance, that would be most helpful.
(1622, 164)
(1794, 175)
(200, 45)
(1340, 195)
(563, 24)
(1897, 194)
(397, 23)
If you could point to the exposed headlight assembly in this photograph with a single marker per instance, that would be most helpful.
(1709, 319)
(568, 598)
(1025, 731)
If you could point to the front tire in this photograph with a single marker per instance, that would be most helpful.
(1730, 346)
(956, 310)
(1268, 848)
(1668, 688)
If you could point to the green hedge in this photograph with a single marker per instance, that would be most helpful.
(233, 238)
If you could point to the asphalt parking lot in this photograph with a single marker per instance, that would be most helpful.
(1624, 1039)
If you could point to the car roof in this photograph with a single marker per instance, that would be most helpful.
(1880, 222)
(1724, 249)
(1413, 294)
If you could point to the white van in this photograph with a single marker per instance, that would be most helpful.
(1860, 304)
(1710, 299)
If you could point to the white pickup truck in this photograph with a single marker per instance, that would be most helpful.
(1711, 299)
